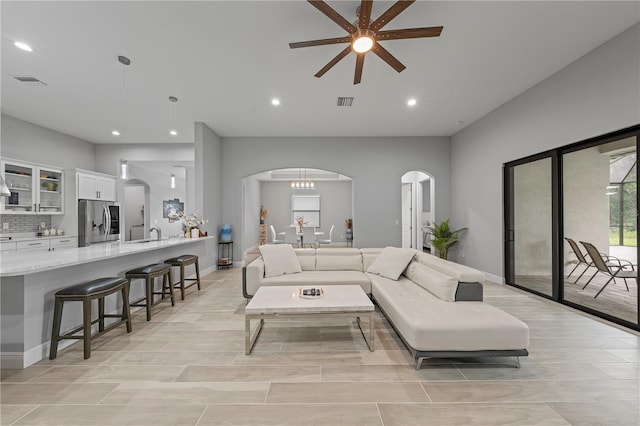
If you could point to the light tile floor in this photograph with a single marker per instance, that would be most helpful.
(187, 367)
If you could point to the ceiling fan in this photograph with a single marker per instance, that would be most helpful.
(365, 35)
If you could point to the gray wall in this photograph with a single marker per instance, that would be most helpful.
(252, 202)
(597, 94)
(208, 160)
(375, 164)
(26, 141)
(335, 205)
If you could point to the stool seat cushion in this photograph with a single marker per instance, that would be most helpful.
(149, 269)
(185, 258)
(95, 286)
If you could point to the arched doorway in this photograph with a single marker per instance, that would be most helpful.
(273, 190)
(418, 208)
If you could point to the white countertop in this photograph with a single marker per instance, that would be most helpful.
(24, 263)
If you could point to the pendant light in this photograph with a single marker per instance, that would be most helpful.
(173, 131)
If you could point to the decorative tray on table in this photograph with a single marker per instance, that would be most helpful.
(310, 293)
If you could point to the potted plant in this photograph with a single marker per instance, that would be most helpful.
(443, 238)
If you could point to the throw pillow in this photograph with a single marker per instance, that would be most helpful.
(279, 259)
(441, 285)
(391, 262)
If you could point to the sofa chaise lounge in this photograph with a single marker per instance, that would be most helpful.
(434, 305)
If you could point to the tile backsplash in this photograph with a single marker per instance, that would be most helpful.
(20, 223)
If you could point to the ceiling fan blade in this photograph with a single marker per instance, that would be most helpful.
(365, 14)
(391, 13)
(388, 57)
(334, 61)
(333, 15)
(359, 64)
(322, 42)
(409, 33)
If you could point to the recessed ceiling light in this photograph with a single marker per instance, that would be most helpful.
(115, 133)
(23, 46)
(412, 102)
(173, 133)
(275, 101)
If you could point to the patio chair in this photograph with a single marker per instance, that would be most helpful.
(619, 271)
(580, 259)
(611, 261)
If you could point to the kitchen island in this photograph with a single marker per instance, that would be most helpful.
(29, 280)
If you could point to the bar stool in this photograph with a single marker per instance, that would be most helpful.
(183, 261)
(149, 273)
(85, 293)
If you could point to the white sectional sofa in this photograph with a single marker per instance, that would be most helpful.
(435, 305)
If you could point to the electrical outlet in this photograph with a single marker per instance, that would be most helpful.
(397, 222)
(5, 225)
(42, 224)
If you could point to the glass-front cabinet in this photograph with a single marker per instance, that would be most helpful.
(35, 189)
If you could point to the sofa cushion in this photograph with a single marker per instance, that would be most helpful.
(369, 256)
(441, 285)
(340, 259)
(461, 272)
(391, 262)
(307, 258)
(322, 278)
(428, 323)
(279, 259)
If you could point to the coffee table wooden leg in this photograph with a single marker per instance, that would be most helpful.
(249, 339)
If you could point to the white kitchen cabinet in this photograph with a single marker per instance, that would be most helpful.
(60, 242)
(32, 244)
(96, 186)
(35, 188)
(41, 243)
(7, 245)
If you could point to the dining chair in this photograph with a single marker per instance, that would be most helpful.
(291, 236)
(327, 240)
(308, 237)
(619, 271)
(274, 236)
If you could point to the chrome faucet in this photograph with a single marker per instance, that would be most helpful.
(158, 231)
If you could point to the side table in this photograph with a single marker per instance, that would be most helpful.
(225, 254)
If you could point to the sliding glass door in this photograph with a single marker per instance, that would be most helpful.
(600, 205)
(530, 225)
(571, 225)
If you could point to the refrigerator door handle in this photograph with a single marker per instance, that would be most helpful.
(107, 223)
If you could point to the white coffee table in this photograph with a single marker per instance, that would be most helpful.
(284, 302)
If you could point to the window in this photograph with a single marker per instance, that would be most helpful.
(306, 206)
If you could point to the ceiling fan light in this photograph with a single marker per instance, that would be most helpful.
(362, 43)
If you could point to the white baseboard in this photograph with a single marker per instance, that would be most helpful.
(20, 360)
(494, 278)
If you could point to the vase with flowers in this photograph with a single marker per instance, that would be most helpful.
(191, 223)
(300, 222)
(263, 214)
(349, 224)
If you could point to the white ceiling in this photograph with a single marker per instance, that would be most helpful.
(226, 60)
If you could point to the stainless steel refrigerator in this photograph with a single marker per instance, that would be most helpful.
(98, 222)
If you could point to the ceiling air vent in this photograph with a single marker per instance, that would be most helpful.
(32, 81)
(345, 101)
